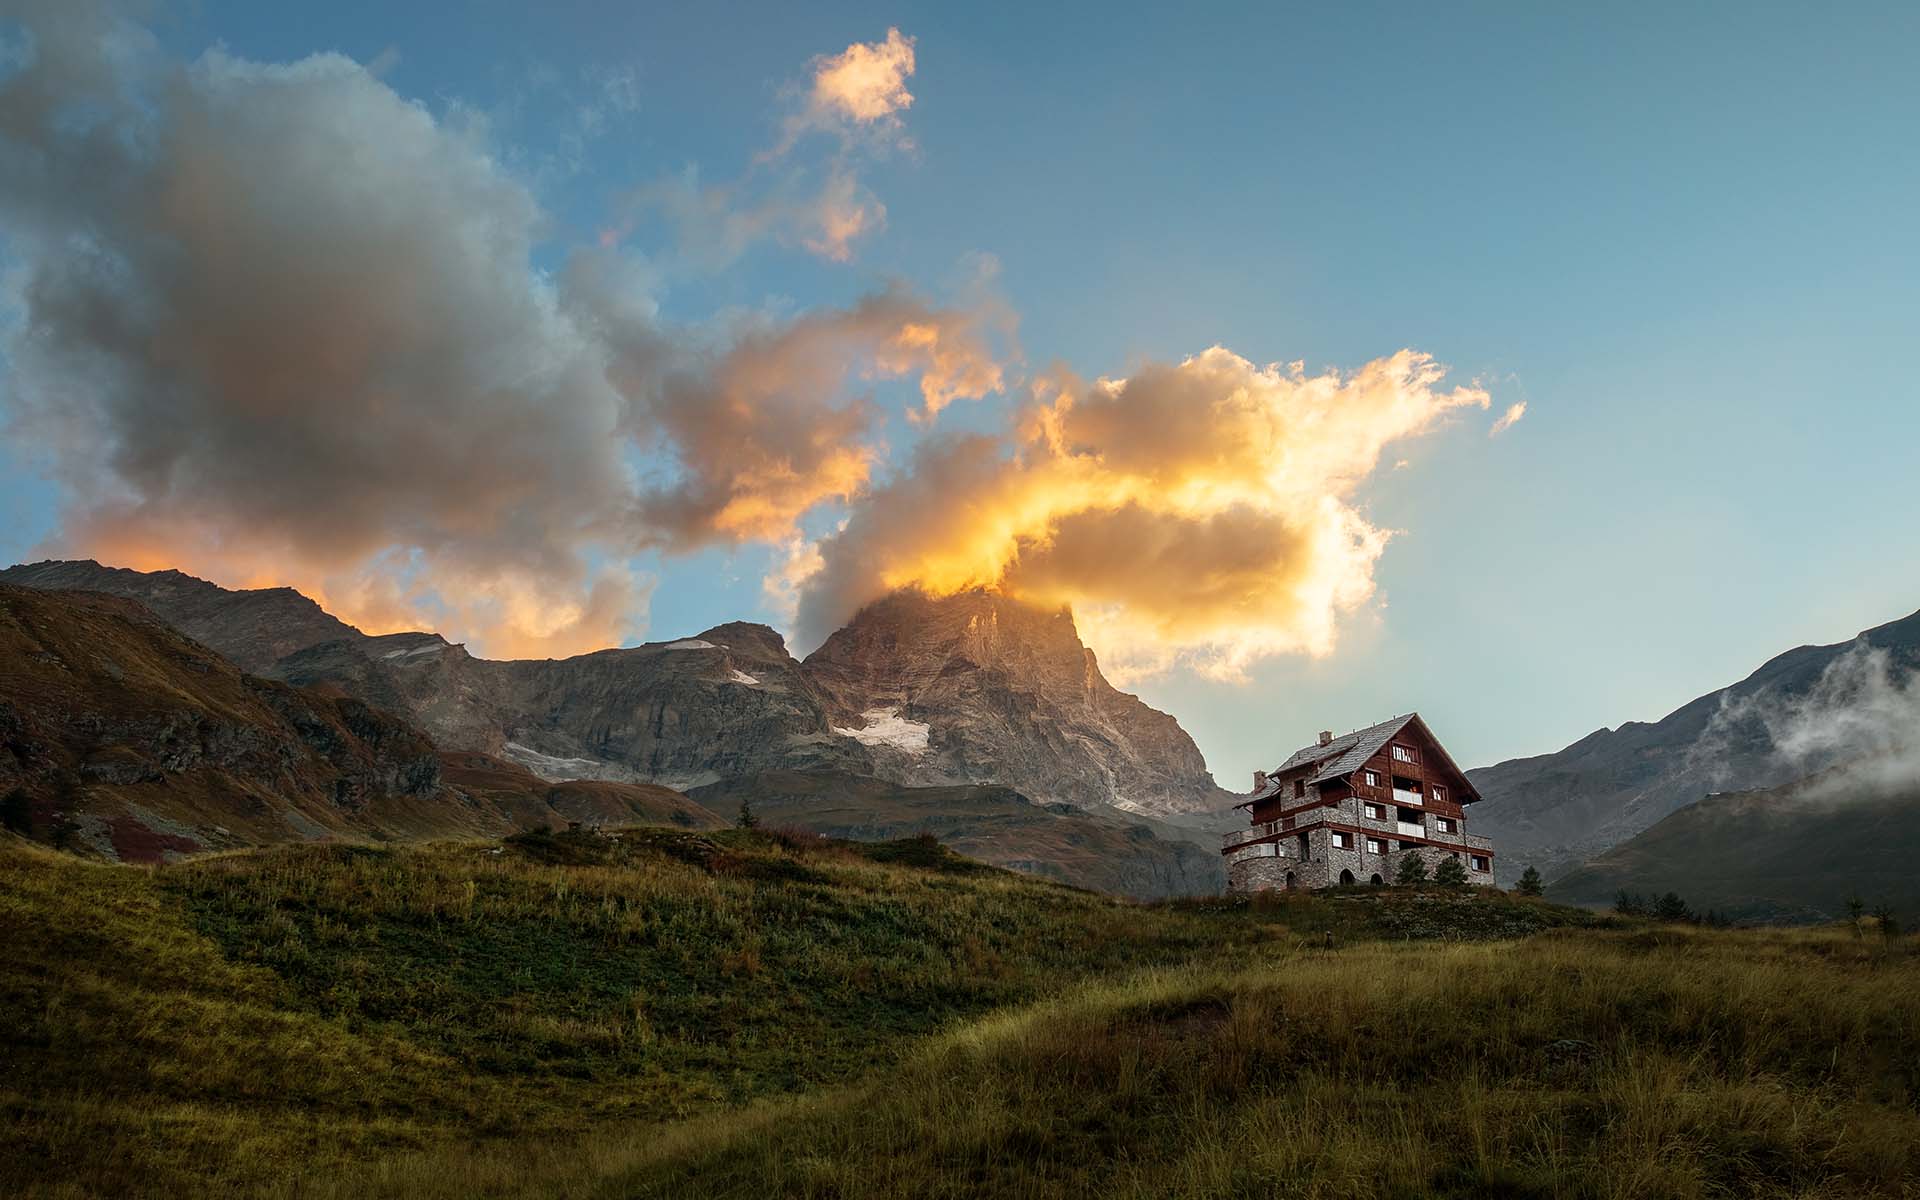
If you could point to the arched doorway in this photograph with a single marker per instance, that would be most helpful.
(1346, 879)
(1376, 880)
(1289, 880)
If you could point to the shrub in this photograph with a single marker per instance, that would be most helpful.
(1671, 907)
(1630, 904)
(1413, 871)
(1451, 873)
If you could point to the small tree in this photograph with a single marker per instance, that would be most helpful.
(747, 819)
(1451, 873)
(1629, 904)
(1856, 908)
(1671, 907)
(1530, 883)
(1883, 913)
(1413, 870)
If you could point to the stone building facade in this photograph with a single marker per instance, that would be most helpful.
(1349, 810)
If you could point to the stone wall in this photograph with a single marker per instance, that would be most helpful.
(1261, 867)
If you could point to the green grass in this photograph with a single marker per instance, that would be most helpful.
(742, 1014)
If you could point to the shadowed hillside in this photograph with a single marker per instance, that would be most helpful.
(1790, 854)
(1113, 853)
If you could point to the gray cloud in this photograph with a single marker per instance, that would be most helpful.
(276, 323)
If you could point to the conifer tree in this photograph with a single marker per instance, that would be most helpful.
(1412, 872)
(1451, 873)
(1530, 884)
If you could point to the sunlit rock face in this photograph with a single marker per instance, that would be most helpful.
(1007, 694)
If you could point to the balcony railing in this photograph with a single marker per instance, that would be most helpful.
(1253, 833)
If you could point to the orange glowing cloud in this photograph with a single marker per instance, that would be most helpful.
(866, 82)
(1201, 513)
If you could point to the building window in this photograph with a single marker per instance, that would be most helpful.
(1439, 794)
(1376, 845)
(1377, 812)
(1479, 862)
(1373, 779)
(1444, 824)
(1342, 840)
(1299, 788)
(1403, 753)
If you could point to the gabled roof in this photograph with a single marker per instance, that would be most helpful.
(1346, 754)
(1343, 755)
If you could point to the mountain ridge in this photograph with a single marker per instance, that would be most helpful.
(1029, 710)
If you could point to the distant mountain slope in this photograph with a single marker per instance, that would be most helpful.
(969, 689)
(123, 737)
(1793, 853)
(1558, 810)
(1107, 853)
(486, 780)
(254, 628)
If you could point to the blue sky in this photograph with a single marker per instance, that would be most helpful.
(1683, 235)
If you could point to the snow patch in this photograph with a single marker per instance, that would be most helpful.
(740, 676)
(690, 644)
(885, 727)
(559, 770)
(423, 648)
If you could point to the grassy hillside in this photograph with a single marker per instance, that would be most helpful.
(1791, 854)
(679, 1013)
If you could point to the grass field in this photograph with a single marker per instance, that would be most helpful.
(745, 1014)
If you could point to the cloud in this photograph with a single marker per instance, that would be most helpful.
(1509, 418)
(764, 430)
(275, 323)
(1853, 734)
(1199, 512)
(860, 91)
(855, 98)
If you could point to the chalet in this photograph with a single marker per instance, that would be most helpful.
(1349, 809)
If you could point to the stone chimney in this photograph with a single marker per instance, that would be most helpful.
(1326, 735)
(1259, 781)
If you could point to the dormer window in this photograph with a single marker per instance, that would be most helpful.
(1373, 779)
(1299, 788)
